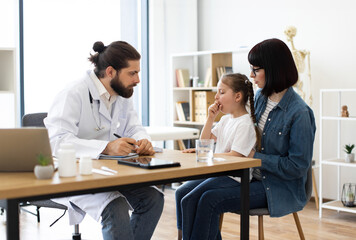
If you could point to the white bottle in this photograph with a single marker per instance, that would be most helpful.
(67, 163)
(85, 165)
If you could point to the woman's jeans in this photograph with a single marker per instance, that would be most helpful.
(116, 222)
(199, 204)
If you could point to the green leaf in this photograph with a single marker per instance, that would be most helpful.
(43, 160)
(348, 148)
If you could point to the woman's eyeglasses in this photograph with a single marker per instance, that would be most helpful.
(254, 70)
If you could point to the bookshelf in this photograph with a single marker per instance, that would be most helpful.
(202, 65)
(336, 161)
(8, 94)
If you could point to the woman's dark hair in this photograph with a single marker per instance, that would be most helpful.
(276, 59)
(117, 55)
(240, 83)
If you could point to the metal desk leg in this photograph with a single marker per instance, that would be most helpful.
(245, 205)
(13, 222)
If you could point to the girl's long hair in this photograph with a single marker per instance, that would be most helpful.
(240, 83)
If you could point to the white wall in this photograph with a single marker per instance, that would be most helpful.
(173, 29)
(8, 23)
(56, 48)
(325, 28)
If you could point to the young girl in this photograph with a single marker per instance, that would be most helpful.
(235, 134)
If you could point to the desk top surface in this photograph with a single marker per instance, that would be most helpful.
(16, 185)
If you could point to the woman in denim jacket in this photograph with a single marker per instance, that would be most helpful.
(287, 127)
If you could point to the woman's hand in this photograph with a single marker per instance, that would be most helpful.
(214, 110)
(189, 150)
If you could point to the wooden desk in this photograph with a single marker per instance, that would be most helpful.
(20, 187)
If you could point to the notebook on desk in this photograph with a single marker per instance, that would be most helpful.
(19, 148)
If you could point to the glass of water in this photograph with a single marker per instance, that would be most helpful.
(204, 149)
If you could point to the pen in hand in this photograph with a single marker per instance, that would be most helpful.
(118, 136)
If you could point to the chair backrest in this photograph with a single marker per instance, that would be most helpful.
(34, 119)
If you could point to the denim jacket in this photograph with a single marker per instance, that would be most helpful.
(286, 152)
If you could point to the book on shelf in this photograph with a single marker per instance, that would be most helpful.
(180, 112)
(228, 70)
(208, 80)
(185, 106)
(187, 143)
(182, 77)
(202, 101)
(181, 145)
(183, 111)
(220, 71)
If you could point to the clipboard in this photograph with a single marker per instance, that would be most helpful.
(148, 163)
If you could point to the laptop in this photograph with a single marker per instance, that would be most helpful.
(19, 148)
(149, 163)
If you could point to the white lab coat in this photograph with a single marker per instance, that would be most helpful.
(89, 127)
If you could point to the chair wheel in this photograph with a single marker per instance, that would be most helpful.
(76, 236)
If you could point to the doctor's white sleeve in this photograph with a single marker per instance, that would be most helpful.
(63, 121)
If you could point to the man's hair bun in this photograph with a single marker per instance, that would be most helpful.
(99, 47)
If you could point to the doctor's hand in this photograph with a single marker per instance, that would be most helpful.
(145, 147)
(120, 146)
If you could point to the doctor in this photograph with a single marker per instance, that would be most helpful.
(87, 114)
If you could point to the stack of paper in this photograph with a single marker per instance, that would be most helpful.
(130, 155)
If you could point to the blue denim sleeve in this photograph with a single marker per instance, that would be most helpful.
(293, 162)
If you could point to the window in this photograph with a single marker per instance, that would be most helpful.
(58, 37)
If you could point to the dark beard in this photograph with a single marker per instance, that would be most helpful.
(120, 89)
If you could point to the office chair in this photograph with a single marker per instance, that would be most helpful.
(264, 211)
(36, 120)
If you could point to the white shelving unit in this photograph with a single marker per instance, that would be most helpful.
(197, 63)
(338, 161)
(8, 88)
(183, 92)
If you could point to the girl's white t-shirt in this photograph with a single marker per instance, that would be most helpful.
(236, 134)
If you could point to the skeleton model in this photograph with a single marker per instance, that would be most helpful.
(299, 58)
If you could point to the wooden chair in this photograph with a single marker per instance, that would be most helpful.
(260, 212)
(315, 189)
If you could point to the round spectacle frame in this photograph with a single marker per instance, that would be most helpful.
(254, 70)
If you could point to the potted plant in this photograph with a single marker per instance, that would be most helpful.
(44, 169)
(349, 156)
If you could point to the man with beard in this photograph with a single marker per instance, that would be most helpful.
(88, 114)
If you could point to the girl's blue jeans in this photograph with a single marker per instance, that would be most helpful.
(199, 204)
